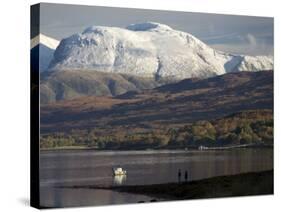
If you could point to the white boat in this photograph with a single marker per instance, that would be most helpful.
(119, 171)
(119, 179)
(202, 147)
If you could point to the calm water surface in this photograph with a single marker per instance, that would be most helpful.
(84, 167)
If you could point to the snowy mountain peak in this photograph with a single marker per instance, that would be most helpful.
(46, 48)
(149, 50)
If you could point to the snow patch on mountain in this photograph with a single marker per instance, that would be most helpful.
(149, 50)
(45, 40)
(255, 63)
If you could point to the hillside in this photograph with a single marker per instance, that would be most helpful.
(181, 102)
(167, 107)
(67, 85)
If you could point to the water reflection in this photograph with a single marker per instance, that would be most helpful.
(119, 179)
(144, 167)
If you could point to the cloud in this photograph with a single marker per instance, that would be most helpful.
(235, 43)
(220, 38)
(251, 40)
(242, 48)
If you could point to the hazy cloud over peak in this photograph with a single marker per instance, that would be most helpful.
(251, 39)
(230, 33)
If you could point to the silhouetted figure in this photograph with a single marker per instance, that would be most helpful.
(186, 176)
(179, 175)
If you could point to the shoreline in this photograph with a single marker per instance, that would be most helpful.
(182, 149)
(245, 184)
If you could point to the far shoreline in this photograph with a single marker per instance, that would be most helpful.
(69, 148)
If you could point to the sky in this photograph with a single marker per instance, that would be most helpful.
(234, 34)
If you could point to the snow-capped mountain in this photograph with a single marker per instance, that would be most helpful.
(44, 46)
(149, 50)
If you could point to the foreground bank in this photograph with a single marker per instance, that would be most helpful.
(254, 183)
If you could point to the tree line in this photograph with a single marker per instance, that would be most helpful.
(250, 127)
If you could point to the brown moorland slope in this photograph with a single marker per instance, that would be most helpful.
(174, 104)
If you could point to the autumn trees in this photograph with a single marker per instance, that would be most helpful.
(250, 127)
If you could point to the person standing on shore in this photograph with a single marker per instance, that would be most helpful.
(179, 175)
(186, 176)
